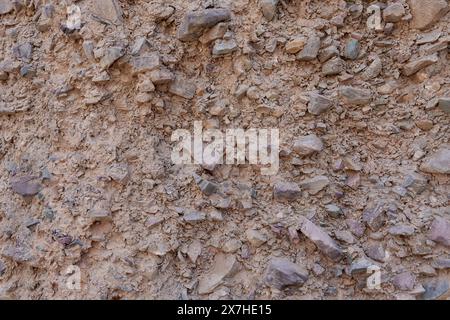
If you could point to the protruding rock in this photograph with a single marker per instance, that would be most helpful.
(183, 88)
(401, 230)
(438, 162)
(440, 231)
(374, 216)
(286, 191)
(195, 23)
(108, 11)
(205, 186)
(307, 145)
(111, 55)
(194, 217)
(224, 266)
(223, 47)
(6, 6)
(147, 62)
(355, 96)
(333, 67)
(375, 251)
(417, 65)
(319, 104)
(427, 12)
(119, 172)
(255, 237)
(310, 50)
(19, 254)
(393, 12)
(351, 50)
(315, 185)
(26, 185)
(269, 8)
(435, 288)
(321, 239)
(404, 281)
(373, 70)
(282, 273)
(444, 104)
(295, 45)
(161, 76)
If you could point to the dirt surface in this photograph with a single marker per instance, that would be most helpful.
(92, 91)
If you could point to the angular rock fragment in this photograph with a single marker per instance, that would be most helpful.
(438, 162)
(111, 55)
(374, 216)
(119, 172)
(255, 237)
(153, 221)
(427, 12)
(282, 273)
(401, 230)
(417, 65)
(23, 51)
(319, 104)
(315, 185)
(352, 49)
(183, 88)
(216, 32)
(311, 49)
(440, 231)
(333, 210)
(18, 254)
(147, 62)
(194, 250)
(161, 76)
(269, 8)
(194, 217)
(435, 288)
(375, 251)
(223, 47)
(404, 281)
(224, 266)
(307, 145)
(321, 239)
(295, 45)
(286, 191)
(373, 70)
(6, 6)
(444, 104)
(356, 227)
(108, 11)
(441, 263)
(205, 186)
(333, 67)
(2, 268)
(195, 23)
(328, 53)
(355, 96)
(27, 185)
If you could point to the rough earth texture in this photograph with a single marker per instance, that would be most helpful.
(92, 90)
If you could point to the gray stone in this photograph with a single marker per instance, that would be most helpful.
(352, 49)
(333, 67)
(286, 191)
(444, 104)
(373, 70)
(119, 172)
(23, 51)
(315, 185)
(440, 231)
(195, 23)
(282, 273)
(6, 6)
(435, 288)
(194, 217)
(415, 183)
(401, 230)
(2, 268)
(18, 254)
(375, 251)
(438, 162)
(427, 12)
(417, 65)
(269, 8)
(355, 96)
(404, 281)
(318, 103)
(374, 216)
(216, 32)
(205, 186)
(111, 55)
(255, 237)
(310, 50)
(356, 227)
(328, 53)
(441, 263)
(333, 210)
(393, 12)
(26, 185)
(359, 267)
(224, 266)
(108, 11)
(183, 88)
(147, 62)
(307, 145)
(223, 47)
(321, 239)
(161, 76)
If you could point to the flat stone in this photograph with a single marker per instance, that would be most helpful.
(147, 62)
(2, 268)
(321, 239)
(441, 263)
(111, 55)
(440, 231)
(415, 183)
(26, 185)
(216, 32)
(318, 103)
(437, 162)
(295, 45)
(356, 227)
(444, 104)
(393, 12)
(352, 49)
(333, 67)
(286, 191)
(307, 145)
(375, 251)
(23, 51)
(355, 96)
(404, 281)
(373, 70)
(153, 221)
(183, 88)
(195, 23)
(311, 49)
(429, 37)
(161, 76)
(315, 185)
(435, 288)
(374, 216)
(333, 210)
(269, 8)
(18, 254)
(415, 66)
(401, 230)
(427, 12)
(108, 11)
(119, 172)
(282, 273)
(194, 250)
(224, 47)
(194, 217)
(328, 53)
(224, 266)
